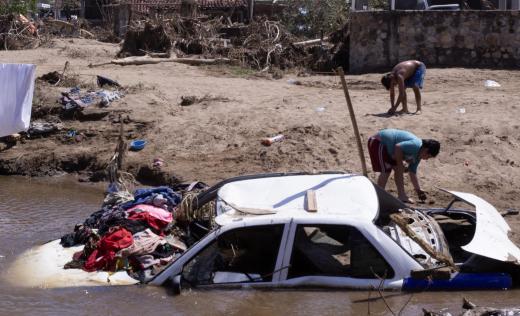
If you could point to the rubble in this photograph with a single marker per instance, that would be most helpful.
(262, 45)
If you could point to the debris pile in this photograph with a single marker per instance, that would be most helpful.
(17, 32)
(147, 40)
(261, 45)
(139, 233)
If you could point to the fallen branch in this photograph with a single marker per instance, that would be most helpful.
(311, 42)
(146, 60)
(86, 34)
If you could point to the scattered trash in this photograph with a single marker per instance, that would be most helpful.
(102, 81)
(75, 99)
(294, 82)
(192, 99)
(71, 133)
(108, 96)
(461, 110)
(52, 77)
(188, 100)
(43, 128)
(137, 144)
(158, 163)
(491, 84)
(270, 140)
(320, 109)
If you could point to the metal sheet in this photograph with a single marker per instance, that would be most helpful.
(490, 239)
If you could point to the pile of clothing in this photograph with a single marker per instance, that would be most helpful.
(136, 233)
(75, 99)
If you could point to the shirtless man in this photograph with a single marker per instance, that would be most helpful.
(407, 74)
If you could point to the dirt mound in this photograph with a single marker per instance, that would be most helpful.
(142, 40)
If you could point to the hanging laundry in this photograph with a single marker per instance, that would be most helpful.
(17, 86)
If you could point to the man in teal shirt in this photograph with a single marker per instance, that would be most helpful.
(390, 148)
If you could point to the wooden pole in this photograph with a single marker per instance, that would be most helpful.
(353, 119)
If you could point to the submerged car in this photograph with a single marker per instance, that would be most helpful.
(341, 230)
(318, 230)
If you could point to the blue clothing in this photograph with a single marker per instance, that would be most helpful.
(409, 143)
(417, 79)
(146, 196)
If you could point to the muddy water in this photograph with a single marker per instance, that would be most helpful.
(35, 211)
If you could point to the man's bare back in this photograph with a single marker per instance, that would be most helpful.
(406, 69)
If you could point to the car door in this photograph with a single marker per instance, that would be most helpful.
(333, 254)
(248, 254)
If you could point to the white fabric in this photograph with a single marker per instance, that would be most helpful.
(16, 86)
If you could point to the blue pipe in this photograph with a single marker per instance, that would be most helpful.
(461, 282)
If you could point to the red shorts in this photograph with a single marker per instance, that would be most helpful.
(381, 160)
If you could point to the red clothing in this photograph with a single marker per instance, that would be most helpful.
(103, 257)
(381, 160)
(157, 224)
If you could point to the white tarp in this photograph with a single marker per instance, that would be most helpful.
(16, 86)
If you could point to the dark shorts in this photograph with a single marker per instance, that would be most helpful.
(381, 160)
(417, 79)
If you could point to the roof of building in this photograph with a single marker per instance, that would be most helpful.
(335, 194)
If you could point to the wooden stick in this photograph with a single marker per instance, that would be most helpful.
(311, 42)
(353, 119)
(312, 205)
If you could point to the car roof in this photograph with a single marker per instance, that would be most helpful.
(339, 195)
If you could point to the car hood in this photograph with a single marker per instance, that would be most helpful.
(490, 239)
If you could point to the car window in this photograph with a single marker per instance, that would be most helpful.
(335, 250)
(245, 254)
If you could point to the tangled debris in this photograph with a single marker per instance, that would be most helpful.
(142, 41)
(17, 32)
(262, 45)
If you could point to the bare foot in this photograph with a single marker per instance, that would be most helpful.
(403, 112)
(407, 200)
(418, 112)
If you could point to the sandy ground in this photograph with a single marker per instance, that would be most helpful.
(220, 137)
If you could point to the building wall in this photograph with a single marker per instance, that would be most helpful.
(379, 40)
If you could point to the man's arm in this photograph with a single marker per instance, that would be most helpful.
(402, 93)
(392, 99)
(415, 182)
(398, 176)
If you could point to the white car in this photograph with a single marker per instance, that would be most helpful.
(317, 230)
(341, 230)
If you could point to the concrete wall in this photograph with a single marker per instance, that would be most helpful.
(379, 40)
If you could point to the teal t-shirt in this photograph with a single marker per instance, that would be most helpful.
(409, 143)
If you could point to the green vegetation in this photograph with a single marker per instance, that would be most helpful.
(17, 6)
(311, 17)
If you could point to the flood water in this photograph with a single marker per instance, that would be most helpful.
(33, 212)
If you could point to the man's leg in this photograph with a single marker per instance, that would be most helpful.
(383, 179)
(417, 93)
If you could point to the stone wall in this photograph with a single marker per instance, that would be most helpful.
(379, 40)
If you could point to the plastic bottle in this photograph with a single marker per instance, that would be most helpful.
(270, 140)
